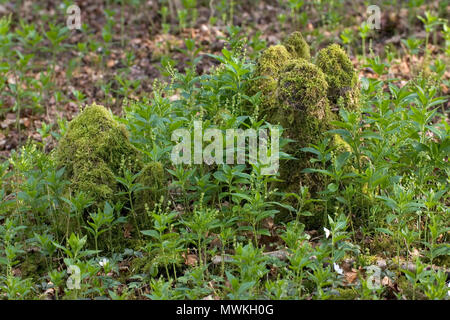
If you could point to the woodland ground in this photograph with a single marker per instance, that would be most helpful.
(49, 73)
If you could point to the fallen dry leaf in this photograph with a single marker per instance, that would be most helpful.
(190, 259)
(127, 231)
(111, 63)
(387, 282)
(350, 277)
(415, 253)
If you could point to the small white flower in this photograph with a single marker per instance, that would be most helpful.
(327, 232)
(338, 269)
(448, 292)
(103, 262)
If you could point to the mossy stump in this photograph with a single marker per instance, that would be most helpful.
(304, 111)
(95, 150)
(299, 95)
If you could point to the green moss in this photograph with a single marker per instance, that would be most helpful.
(93, 150)
(294, 95)
(297, 46)
(303, 106)
(302, 86)
(268, 68)
(367, 259)
(297, 94)
(340, 144)
(153, 180)
(345, 294)
(272, 60)
(303, 110)
(340, 75)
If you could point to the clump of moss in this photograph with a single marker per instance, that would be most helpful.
(93, 151)
(303, 108)
(297, 46)
(302, 85)
(271, 61)
(340, 75)
(304, 112)
(298, 95)
(271, 64)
